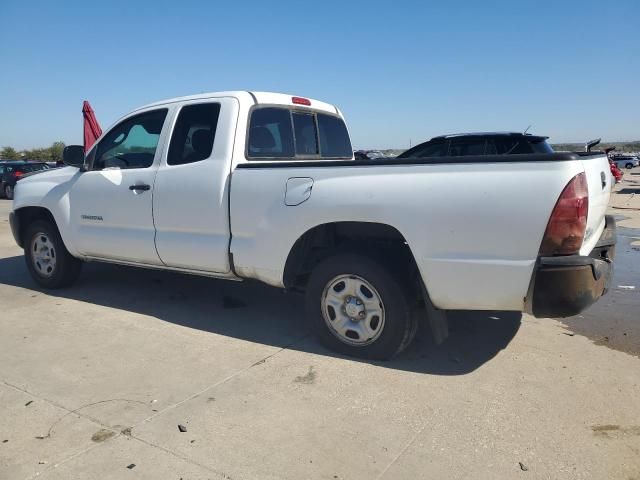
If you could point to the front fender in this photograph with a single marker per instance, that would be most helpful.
(48, 191)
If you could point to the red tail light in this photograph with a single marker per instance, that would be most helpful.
(568, 222)
(18, 174)
(301, 101)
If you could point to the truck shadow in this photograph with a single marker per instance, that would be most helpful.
(257, 313)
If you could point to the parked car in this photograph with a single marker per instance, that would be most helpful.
(627, 162)
(11, 172)
(368, 154)
(488, 143)
(251, 185)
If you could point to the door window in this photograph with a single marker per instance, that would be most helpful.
(194, 133)
(512, 146)
(132, 143)
(461, 147)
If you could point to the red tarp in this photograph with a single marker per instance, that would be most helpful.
(92, 130)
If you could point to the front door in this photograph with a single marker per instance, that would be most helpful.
(111, 203)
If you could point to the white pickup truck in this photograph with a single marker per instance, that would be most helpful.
(249, 185)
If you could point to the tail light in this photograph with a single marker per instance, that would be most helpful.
(568, 222)
(301, 101)
(18, 174)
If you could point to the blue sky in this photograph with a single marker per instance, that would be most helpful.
(400, 71)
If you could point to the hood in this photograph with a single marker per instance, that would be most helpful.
(59, 174)
(45, 186)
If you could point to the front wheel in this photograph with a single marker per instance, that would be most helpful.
(629, 166)
(8, 192)
(357, 307)
(48, 261)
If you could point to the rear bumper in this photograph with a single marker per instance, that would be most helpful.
(565, 286)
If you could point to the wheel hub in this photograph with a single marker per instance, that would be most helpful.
(354, 308)
(43, 255)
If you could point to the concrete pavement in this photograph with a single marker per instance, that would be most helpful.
(96, 379)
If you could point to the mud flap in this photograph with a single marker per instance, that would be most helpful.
(437, 318)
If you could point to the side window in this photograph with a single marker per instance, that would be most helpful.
(512, 146)
(334, 138)
(132, 143)
(305, 129)
(270, 133)
(194, 133)
(461, 147)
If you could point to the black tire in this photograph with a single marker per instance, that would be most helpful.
(399, 326)
(629, 166)
(67, 268)
(8, 192)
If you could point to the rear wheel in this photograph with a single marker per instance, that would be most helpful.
(357, 307)
(48, 260)
(629, 166)
(8, 192)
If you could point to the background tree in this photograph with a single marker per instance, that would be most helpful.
(9, 153)
(40, 154)
(56, 151)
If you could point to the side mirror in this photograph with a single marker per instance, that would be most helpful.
(73, 156)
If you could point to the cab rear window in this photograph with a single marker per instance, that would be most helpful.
(282, 133)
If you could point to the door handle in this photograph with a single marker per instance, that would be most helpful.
(143, 187)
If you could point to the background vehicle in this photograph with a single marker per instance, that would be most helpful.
(368, 154)
(625, 161)
(490, 143)
(11, 172)
(253, 185)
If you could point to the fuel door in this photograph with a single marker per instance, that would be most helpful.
(298, 190)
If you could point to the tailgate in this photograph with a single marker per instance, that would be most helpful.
(600, 183)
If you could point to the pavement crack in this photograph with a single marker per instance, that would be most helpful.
(224, 380)
(67, 410)
(182, 457)
(404, 449)
(70, 412)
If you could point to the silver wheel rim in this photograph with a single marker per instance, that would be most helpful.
(9, 191)
(353, 310)
(43, 255)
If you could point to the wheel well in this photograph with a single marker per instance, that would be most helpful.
(28, 215)
(380, 241)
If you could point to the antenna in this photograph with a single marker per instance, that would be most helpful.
(526, 130)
